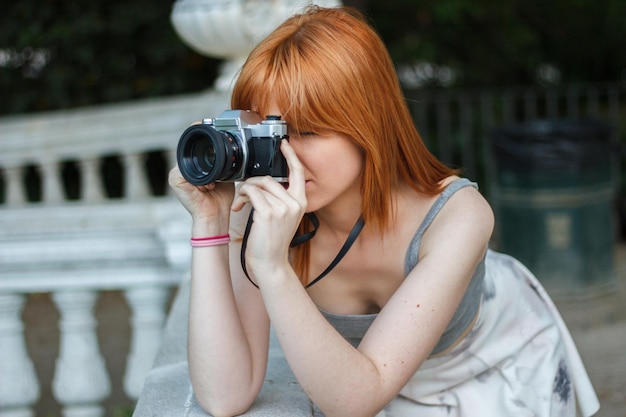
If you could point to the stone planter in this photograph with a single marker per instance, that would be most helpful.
(229, 29)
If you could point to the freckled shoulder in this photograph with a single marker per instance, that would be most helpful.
(466, 214)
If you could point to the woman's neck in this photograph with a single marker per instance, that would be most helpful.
(339, 219)
(341, 214)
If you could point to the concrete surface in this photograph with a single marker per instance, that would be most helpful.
(598, 326)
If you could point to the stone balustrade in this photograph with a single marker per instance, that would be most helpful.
(84, 208)
(168, 390)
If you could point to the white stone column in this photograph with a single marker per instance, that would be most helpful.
(80, 380)
(170, 157)
(148, 318)
(136, 184)
(16, 192)
(51, 182)
(92, 189)
(19, 387)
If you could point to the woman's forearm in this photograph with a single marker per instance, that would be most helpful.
(221, 360)
(339, 379)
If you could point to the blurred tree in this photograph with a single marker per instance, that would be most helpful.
(487, 42)
(62, 53)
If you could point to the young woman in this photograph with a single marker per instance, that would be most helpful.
(418, 318)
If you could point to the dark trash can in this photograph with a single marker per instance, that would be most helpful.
(553, 196)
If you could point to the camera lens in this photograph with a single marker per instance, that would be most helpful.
(206, 155)
(202, 156)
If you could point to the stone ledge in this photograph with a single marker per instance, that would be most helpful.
(97, 246)
(167, 390)
(135, 125)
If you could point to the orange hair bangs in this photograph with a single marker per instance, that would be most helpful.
(328, 71)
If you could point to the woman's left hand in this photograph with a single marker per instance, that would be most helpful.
(278, 210)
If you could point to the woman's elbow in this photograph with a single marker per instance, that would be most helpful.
(224, 407)
(225, 397)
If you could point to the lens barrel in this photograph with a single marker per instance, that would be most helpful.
(206, 155)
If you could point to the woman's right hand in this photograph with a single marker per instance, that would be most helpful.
(209, 202)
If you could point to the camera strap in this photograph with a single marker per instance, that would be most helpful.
(300, 239)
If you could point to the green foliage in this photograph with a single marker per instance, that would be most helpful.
(101, 51)
(489, 42)
(97, 51)
(123, 411)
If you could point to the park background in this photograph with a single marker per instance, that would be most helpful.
(60, 56)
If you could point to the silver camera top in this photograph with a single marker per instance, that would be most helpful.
(237, 120)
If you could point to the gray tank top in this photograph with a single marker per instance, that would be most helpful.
(354, 327)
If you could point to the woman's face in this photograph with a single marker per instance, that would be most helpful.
(333, 167)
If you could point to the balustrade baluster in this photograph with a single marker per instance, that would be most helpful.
(148, 317)
(19, 387)
(16, 192)
(80, 380)
(136, 183)
(170, 160)
(91, 186)
(51, 179)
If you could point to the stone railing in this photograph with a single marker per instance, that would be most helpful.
(84, 208)
(168, 390)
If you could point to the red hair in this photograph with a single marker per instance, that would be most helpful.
(328, 71)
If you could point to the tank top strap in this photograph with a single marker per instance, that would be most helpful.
(453, 187)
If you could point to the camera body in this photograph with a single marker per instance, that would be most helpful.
(234, 146)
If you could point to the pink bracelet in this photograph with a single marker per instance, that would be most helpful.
(200, 242)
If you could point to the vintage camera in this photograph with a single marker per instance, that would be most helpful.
(234, 146)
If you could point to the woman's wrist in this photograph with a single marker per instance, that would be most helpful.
(273, 273)
(203, 227)
(217, 240)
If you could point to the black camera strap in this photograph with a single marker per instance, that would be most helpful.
(300, 239)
